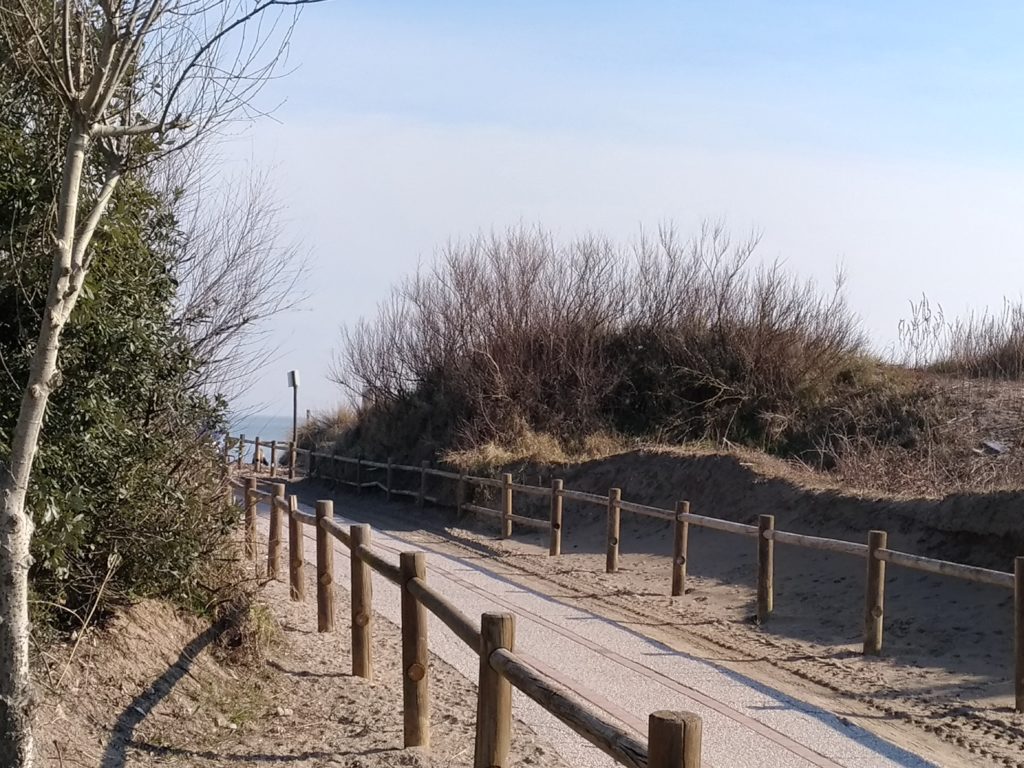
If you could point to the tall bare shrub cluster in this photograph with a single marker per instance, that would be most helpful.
(984, 345)
(669, 337)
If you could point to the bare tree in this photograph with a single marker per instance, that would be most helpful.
(136, 79)
(236, 272)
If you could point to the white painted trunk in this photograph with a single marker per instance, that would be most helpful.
(16, 748)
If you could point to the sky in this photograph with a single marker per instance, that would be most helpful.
(883, 138)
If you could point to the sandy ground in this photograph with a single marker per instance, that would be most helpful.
(147, 691)
(942, 687)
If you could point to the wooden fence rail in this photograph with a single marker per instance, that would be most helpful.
(875, 551)
(674, 739)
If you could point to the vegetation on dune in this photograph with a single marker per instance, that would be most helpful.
(675, 340)
(519, 348)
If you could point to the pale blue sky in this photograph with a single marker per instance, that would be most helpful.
(887, 137)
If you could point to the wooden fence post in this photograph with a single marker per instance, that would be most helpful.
(415, 690)
(227, 450)
(324, 569)
(506, 505)
(494, 694)
(388, 480)
(555, 545)
(680, 548)
(273, 458)
(291, 460)
(274, 540)
(296, 559)
(250, 516)
(611, 563)
(874, 596)
(359, 475)
(765, 568)
(241, 450)
(256, 455)
(460, 493)
(1018, 626)
(421, 497)
(362, 606)
(673, 740)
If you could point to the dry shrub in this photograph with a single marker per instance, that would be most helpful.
(982, 345)
(671, 339)
(327, 427)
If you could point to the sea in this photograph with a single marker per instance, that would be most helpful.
(266, 428)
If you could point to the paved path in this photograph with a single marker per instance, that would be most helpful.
(746, 725)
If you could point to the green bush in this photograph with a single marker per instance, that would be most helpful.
(126, 493)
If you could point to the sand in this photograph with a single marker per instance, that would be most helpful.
(147, 691)
(942, 687)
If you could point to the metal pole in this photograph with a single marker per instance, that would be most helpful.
(295, 415)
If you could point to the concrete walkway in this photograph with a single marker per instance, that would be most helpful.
(746, 725)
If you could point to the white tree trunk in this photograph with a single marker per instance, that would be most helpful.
(15, 524)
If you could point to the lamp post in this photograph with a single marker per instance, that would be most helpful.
(293, 382)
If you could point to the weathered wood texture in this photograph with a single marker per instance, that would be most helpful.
(506, 505)
(415, 654)
(296, 559)
(555, 542)
(674, 740)
(611, 561)
(874, 595)
(765, 567)
(494, 694)
(274, 540)
(1018, 633)
(680, 548)
(463, 626)
(362, 606)
(250, 516)
(324, 568)
(610, 738)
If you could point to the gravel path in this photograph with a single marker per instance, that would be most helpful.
(746, 725)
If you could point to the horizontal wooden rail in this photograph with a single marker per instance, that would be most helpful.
(336, 530)
(717, 524)
(817, 542)
(464, 627)
(481, 510)
(406, 468)
(531, 490)
(944, 568)
(489, 482)
(590, 498)
(375, 464)
(531, 522)
(304, 518)
(403, 492)
(263, 494)
(444, 474)
(613, 740)
(378, 563)
(647, 510)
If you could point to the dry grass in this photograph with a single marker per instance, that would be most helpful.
(537, 448)
(981, 345)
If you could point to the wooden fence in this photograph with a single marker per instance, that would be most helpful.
(874, 551)
(673, 739)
